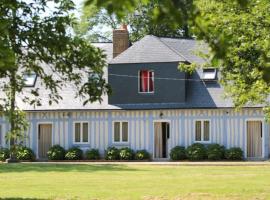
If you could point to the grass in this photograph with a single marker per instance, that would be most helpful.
(50, 181)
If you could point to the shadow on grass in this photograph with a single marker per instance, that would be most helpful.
(19, 167)
(18, 198)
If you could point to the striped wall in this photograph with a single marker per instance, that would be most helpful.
(227, 127)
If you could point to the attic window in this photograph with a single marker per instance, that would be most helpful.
(146, 81)
(29, 79)
(209, 74)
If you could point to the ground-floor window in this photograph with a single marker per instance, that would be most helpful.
(202, 131)
(120, 132)
(81, 132)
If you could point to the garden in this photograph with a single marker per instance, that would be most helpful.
(195, 152)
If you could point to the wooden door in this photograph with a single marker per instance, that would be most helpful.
(158, 139)
(44, 139)
(254, 139)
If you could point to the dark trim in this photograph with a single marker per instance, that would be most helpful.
(148, 62)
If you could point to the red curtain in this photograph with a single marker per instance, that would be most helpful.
(146, 80)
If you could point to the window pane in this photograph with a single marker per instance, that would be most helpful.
(151, 81)
(117, 131)
(77, 132)
(141, 81)
(198, 131)
(206, 131)
(124, 131)
(85, 132)
(144, 81)
(30, 79)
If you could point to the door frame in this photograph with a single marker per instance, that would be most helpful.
(263, 132)
(40, 123)
(168, 140)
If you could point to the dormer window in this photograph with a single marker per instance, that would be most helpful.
(29, 79)
(146, 81)
(209, 74)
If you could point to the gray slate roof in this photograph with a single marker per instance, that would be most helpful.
(153, 49)
(149, 49)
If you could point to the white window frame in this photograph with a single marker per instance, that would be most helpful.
(81, 132)
(202, 131)
(139, 81)
(121, 133)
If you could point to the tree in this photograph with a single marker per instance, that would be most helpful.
(245, 63)
(97, 24)
(142, 23)
(237, 32)
(34, 35)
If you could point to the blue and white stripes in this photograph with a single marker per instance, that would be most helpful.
(227, 127)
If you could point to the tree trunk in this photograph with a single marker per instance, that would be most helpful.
(12, 114)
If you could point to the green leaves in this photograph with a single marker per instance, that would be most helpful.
(35, 39)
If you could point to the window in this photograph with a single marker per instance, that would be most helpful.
(120, 132)
(30, 79)
(81, 132)
(209, 74)
(146, 81)
(202, 131)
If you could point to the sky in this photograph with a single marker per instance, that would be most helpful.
(79, 4)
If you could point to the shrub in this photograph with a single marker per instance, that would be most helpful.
(92, 154)
(178, 153)
(74, 153)
(112, 153)
(235, 153)
(126, 154)
(4, 154)
(215, 152)
(142, 155)
(196, 151)
(25, 153)
(56, 152)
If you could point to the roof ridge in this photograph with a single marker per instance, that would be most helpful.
(172, 49)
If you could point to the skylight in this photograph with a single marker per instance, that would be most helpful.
(29, 79)
(209, 74)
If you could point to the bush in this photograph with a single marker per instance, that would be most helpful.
(215, 152)
(25, 153)
(112, 153)
(196, 151)
(178, 153)
(235, 153)
(92, 154)
(142, 155)
(56, 152)
(4, 154)
(126, 154)
(74, 153)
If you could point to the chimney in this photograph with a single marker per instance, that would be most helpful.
(120, 40)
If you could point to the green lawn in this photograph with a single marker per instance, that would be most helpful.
(50, 181)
